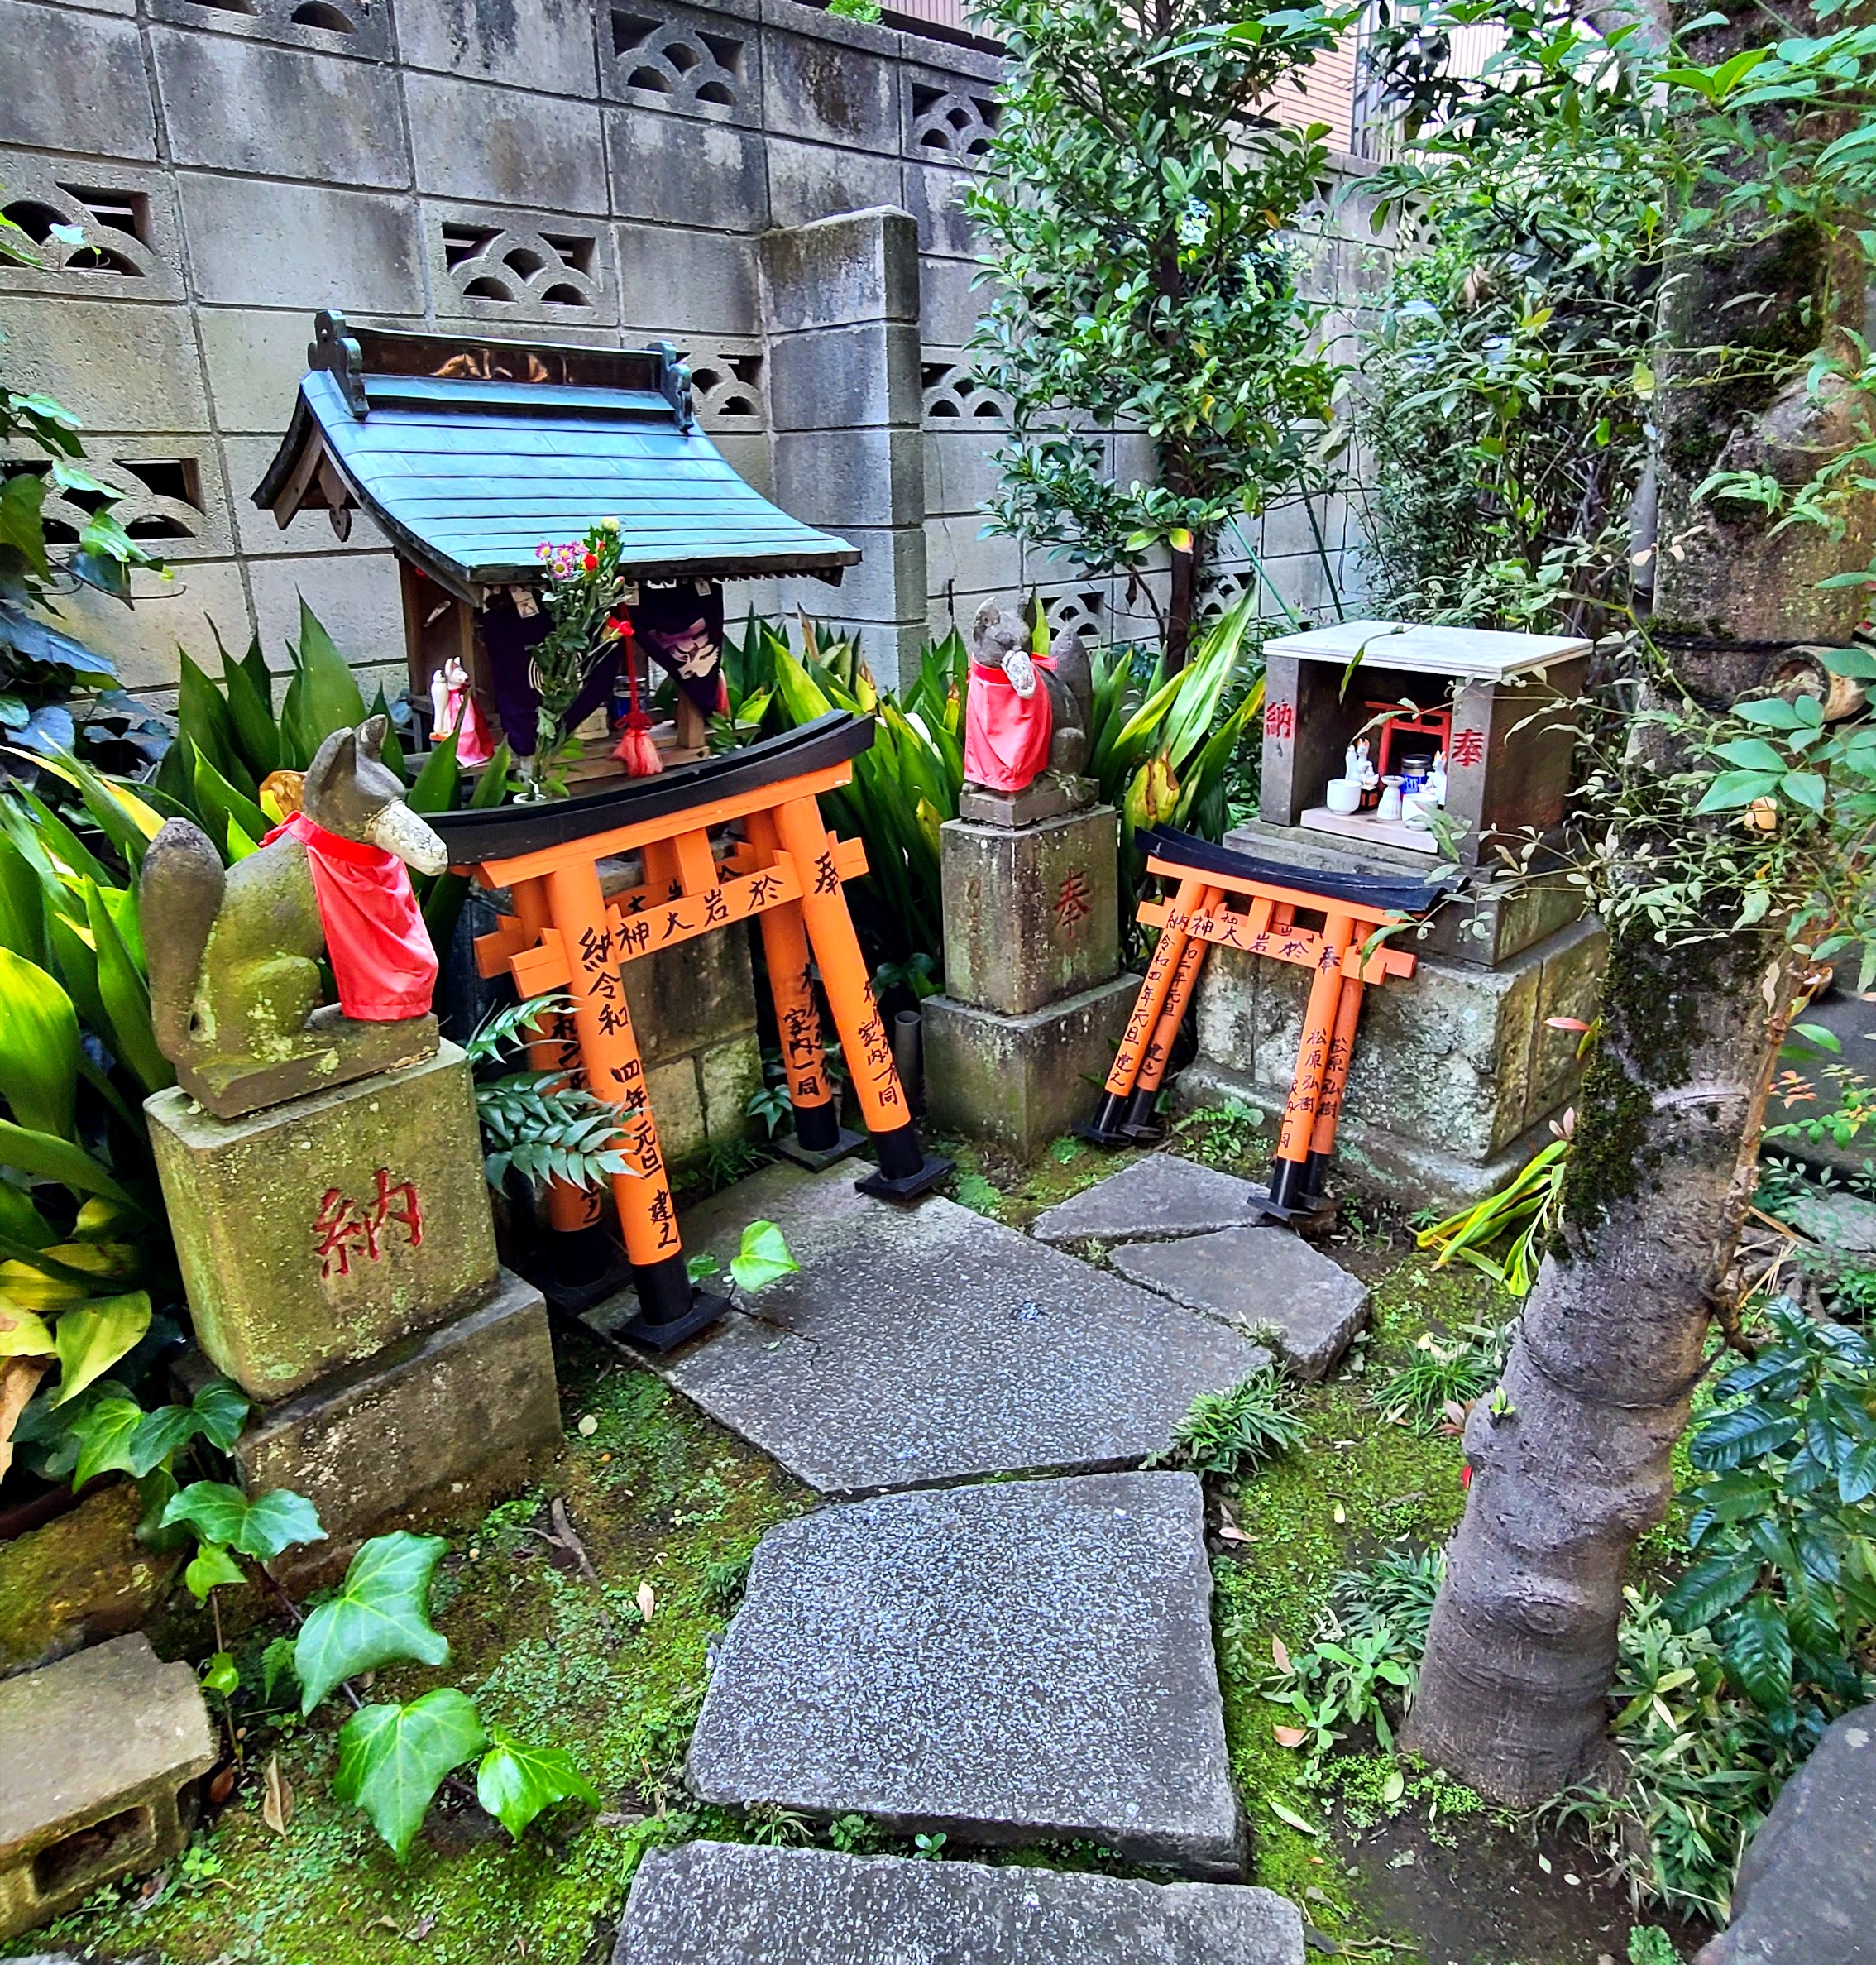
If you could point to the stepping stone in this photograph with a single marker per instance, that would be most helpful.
(728, 1903)
(1004, 1664)
(1841, 1222)
(1156, 1199)
(1253, 1277)
(929, 1344)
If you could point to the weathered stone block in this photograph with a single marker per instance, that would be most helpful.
(424, 1435)
(1032, 912)
(681, 170)
(688, 279)
(959, 473)
(471, 140)
(687, 999)
(168, 615)
(841, 478)
(844, 378)
(933, 1346)
(808, 181)
(1003, 1663)
(934, 196)
(861, 266)
(1455, 1055)
(230, 104)
(314, 1234)
(949, 304)
(1158, 1198)
(829, 93)
(725, 1903)
(146, 267)
(528, 44)
(677, 1109)
(888, 584)
(357, 250)
(118, 366)
(75, 81)
(1022, 1081)
(728, 1075)
(355, 594)
(1308, 1305)
(95, 1749)
(79, 1578)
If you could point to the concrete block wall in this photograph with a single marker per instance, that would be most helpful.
(598, 171)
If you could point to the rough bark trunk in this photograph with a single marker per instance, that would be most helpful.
(1522, 1646)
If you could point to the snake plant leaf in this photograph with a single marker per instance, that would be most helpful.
(203, 710)
(322, 696)
(48, 1157)
(257, 736)
(393, 1759)
(378, 1617)
(516, 1781)
(39, 1047)
(127, 999)
(91, 1337)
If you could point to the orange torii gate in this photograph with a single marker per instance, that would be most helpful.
(783, 870)
(1228, 900)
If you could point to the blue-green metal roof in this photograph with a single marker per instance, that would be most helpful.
(469, 475)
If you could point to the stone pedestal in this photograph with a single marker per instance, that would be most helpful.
(424, 1435)
(94, 1751)
(312, 1236)
(1033, 1003)
(1456, 1069)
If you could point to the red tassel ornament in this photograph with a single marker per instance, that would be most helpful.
(635, 749)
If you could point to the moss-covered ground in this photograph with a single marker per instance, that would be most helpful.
(660, 1496)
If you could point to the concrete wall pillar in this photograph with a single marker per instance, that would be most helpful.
(841, 300)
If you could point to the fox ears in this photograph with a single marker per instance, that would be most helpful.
(370, 737)
(339, 756)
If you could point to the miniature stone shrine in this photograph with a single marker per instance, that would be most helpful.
(1455, 1079)
(331, 1219)
(1034, 998)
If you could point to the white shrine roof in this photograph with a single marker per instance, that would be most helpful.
(1483, 653)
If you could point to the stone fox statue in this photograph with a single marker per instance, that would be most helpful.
(1052, 736)
(234, 985)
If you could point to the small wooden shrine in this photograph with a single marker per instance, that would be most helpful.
(470, 454)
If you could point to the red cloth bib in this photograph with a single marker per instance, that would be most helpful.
(1005, 740)
(381, 955)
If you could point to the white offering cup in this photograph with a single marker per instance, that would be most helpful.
(1343, 795)
(1390, 806)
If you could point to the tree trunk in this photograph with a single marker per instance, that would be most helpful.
(1182, 598)
(1522, 1646)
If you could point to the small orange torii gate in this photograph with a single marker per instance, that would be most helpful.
(783, 870)
(1228, 900)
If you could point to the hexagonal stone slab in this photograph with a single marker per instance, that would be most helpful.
(727, 1903)
(1028, 1660)
(1156, 1199)
(929, 1344)
(1253, 1277)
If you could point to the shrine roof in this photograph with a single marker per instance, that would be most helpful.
(1484, 653)
(470, 454)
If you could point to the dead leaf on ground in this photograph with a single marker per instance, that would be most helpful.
(647, 1601)
(1229, 1532)
(19, 1379)
(221, 1785)
(1291, 1735)
(276, 1802)
(1279, 1653)
(423, 1928)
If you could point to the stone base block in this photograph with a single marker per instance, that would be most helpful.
(1022, 1081)
(1048, 797)
(1482, 930)
(334, 1051)
(93, 1753)
(425, 1437)
(1032, 912)
(312, 1236)
(1456, 1062)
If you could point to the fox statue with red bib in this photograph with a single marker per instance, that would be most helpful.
(235, 986)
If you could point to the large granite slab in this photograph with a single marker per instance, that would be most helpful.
(1156, 1199)
(1260, 1279)
(1007, 1663)
(925, 1345)
(729, 1903)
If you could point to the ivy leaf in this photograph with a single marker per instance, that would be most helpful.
(379, 1616)
(104, 1430)
(1759, 1653)
(261, 1528)
(516, 1781)
(211, 1566)
(1708, 1589)
(393, 1759)
(762, 1258)
(276, 1660)
(222, 1408)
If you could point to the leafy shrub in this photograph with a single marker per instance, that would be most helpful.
(1783, 1531)
(1397, 1590)
(1439, 1375)
(1239, 1430)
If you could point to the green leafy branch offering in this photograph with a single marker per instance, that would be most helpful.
(392, 1758)
(535, 1122)
(762, 1259)
(1783, 1532)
